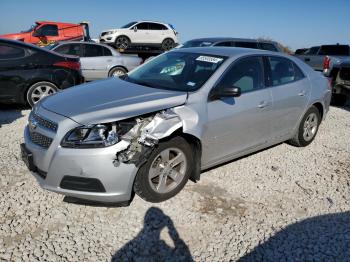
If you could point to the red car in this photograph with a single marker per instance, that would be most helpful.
(44, 33)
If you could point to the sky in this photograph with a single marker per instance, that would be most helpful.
(294, 23)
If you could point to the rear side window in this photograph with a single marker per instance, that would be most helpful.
(93, 50)
(268, 46)
(247, 45)
(340, 50)
(72, 49)
(283, 71)
(154, 26)
(247, 74)
(11, 52)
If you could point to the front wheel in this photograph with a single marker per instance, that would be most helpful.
(40, 90)
(122, 42)
(308, 128)
(166, 171)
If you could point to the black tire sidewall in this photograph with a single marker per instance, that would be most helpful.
(301, 139)
(31, 89)
(141, 180)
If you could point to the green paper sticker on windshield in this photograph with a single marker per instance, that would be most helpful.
(209, 59)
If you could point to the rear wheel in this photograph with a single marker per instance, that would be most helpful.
(122, 42)
(308, 128)
(166, 171)
(40, 90)
(168, 44)
(117, 71)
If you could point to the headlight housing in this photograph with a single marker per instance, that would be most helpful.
(109, 32)
(96, 136)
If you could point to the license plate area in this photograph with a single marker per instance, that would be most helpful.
(27, 158)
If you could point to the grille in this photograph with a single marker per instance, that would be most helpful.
(345, 74)
(44, 122)
(40, 139)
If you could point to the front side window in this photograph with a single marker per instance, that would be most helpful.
(48, 30)
(142, 26)
(312, 51)
(11, 52)
(195, 43)
(93, 50)
(176, 71)
(247, 74)
(283, 71)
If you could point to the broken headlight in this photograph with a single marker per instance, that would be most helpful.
(91, 137)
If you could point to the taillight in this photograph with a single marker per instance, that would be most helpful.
(326, 63)
(69, 64)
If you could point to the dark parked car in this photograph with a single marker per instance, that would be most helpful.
(28, 73)
(233, 42)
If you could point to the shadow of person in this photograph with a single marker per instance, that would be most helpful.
(10, 113)
(321, 238)
(148, 245)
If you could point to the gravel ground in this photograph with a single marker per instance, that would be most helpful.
(283, 203)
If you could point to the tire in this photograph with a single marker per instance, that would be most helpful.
(117, 71)
(122, 42)
(338, 100)
(148, 182)
(307, 129)
(38, 91)
(168, 44)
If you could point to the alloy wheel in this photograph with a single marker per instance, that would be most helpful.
(310, 127)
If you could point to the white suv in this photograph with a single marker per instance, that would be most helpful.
(142, 33)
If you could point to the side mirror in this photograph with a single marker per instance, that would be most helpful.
(135, 28)
(232, 91)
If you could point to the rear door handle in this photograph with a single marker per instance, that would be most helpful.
(302, 93)
(263, 104)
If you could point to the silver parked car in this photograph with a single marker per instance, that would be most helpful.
(182, 112)
(98, 60)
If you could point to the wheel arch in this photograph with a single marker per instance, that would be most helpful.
(115, 66)
(320, 108)
(123, 35)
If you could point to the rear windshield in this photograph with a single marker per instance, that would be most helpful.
(195, 43)
(337, 50)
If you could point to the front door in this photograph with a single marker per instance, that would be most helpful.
(238, 124)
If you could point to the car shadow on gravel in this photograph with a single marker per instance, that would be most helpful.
(321, 238)
(148, 245)
(10, 113)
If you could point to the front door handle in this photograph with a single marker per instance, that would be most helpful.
(302, 93)
(263, 104)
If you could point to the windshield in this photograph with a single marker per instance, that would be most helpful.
(30, 29)
(176, 71)
(194, 43)
(128, 25)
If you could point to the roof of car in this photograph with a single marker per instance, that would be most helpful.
(21, 43)
(220, 39)
(150, 21)
(224, 51)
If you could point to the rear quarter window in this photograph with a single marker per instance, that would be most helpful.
(11, 52)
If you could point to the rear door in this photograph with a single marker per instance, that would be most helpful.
(290, 94)
(15, 66)
(95, 61)
(238, 124)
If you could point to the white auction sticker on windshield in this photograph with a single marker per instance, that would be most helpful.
(209, 59)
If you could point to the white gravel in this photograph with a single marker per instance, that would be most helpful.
(281, 204)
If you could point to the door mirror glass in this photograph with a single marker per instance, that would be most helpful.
(135, 28)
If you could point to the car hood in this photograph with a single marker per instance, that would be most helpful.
(110, 100)
(15, 36)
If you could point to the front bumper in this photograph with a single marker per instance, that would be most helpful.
(107, 39)
(55, 163)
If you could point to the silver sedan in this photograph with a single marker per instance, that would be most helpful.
(162, 124)
(98, 60)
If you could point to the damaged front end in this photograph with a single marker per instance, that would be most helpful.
(138, 136)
